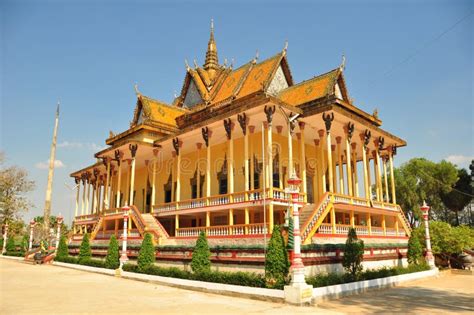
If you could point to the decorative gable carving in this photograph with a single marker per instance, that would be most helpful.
(192, 96)
(278, 83)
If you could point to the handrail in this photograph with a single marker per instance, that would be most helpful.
(322, 204)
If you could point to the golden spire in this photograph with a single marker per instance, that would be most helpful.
(212, 62)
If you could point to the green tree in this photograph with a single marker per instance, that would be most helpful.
(276, 261)
(201, 260)
(63, 250)
(113, 256)
(458, 198)
(353, 254)
(415, 251)
(146, 255)
(446, 240)
(85, 252)
(420, 179)
(14, 186)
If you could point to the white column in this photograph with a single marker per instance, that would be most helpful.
(5, 236)
(77, 180)
(153, 179)
(133, 150)
(123, 257)
(32, 226)
(59, 221)
(106, 187)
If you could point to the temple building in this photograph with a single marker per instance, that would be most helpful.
(217, 159)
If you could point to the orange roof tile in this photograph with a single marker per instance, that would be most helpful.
(259, 75)
(230, 83)
(311, 89)
(159, 111)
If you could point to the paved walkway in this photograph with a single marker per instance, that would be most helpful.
(28, 289)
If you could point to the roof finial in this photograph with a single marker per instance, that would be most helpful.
(187, 65)
(225, 62)
(231, 63)
(212, 61)
(285, 48)
(343, 63)
(195, 64)
(136, 89)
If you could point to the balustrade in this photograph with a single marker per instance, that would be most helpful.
(224, 230)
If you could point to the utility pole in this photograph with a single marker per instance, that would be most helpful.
(47, 203)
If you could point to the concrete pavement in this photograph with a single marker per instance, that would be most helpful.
(28, 289)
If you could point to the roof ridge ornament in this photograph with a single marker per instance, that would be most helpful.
(187, 65)
(285, 48)
(137, 92)
(195, 64)
(343, 63)
(254, 61)
(212, 61)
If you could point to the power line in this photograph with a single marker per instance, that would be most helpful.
(419, 49)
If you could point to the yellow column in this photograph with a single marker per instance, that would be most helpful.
(290, 149)
(354, 170)
(369, 179)
(349, 131)
(392, 150)
(378, 192)
(208, 219)
(118, 156)
(133, 150)
(243, 124)
(369, 223)
(231, 220)
(153, 178)
(252, 168)
(88, 184)
(341, 171)
(270, 174)
(77, 180)
(304, 184)
(83, 203)
(334, 158)
(384, 161)
(333, 220)
(127, 186)
(396, 225)
(323, 160)
(352, 219)
(383, 225)
(198, 171)
(206, 135)
(106, 187)
(176, 224)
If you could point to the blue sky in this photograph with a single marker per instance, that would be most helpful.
(409, 59)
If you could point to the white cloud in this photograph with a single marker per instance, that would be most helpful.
(79, 145)
(45, 165)
(460, 160)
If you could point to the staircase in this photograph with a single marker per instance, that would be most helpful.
(96, 228)
(404, 220)
(312, 216)
(152, 225)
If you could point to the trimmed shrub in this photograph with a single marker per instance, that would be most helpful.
(415, 251)
(67, 259)
(24, 243)
(85, 252)
(201, 261)
(93, 263)
(113, 256)
(146, 255)
(276, 261)
(63, 250)
(353, 254)
(335, 278)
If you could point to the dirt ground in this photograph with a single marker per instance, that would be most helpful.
(29, 289)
